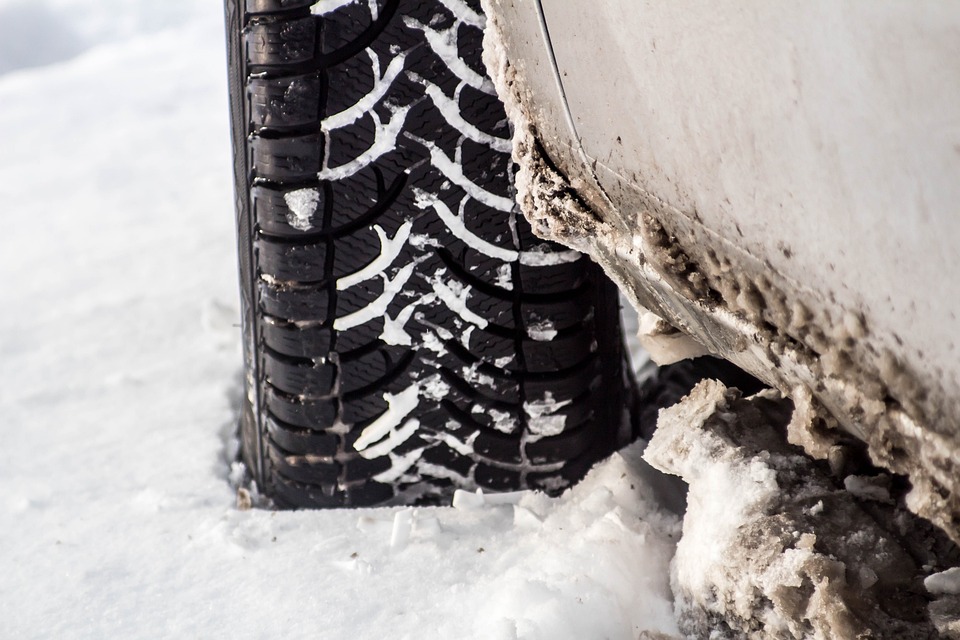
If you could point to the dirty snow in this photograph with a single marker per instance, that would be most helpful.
(773, 548)
(120, 379)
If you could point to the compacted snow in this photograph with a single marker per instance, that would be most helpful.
(119, 381)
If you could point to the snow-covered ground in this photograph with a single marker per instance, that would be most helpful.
(119, 365)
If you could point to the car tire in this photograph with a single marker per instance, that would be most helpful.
(405, 333)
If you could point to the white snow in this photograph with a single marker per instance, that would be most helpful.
(665, 344)
(541, 420)
(725, 491)
(465, 336)
(302, 204)
(120, 379)
(454, 222)
(329, 6)
(352, 113)
(503, 421)
(390, 248)
(384, 141)
(544, 256)
(393, 328)
(444, 44)
(394, 439)
(399, 406)
(377, 308)
(450, 110)
(455, 295)
(465, 14)
(541, 331)
(504, 277)
(452, 170)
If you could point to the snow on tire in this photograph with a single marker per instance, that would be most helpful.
(405, 333)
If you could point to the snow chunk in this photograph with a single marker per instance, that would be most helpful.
(944, 583)
(301, 205)
(541, 421)
(504, 277)
(472, 374)
(434, 388)
(465, 336)
(433, 343)
(541, 331)
(663, 342)
(503, 421)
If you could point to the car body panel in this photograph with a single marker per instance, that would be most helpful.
(781, 183)
(823, 139)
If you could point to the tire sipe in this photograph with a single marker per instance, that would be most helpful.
(405, 334)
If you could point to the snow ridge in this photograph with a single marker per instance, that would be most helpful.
(365, 105)
(444, 44)
(384, 141)
(389, 250)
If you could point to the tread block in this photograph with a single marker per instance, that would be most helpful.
(276, 6)
(560, 353)
(297, 494)
(299, 412)
(568, 386)
(559, 278)
(292, 262)
(303, 468)
(298, 342)
(298, 440)
(554, 482)
(295, 304)
(361, 468)
(299, 377)
(294, 159)
(285, 42)
(371, 368)
(500, 447)
(495, 478)
(565, 446)
(278, 103)
(363, 407)
(272, 214)
(443, 456)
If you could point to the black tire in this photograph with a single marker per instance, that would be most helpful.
(405, 333)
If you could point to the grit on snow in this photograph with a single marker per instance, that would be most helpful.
(119, 381)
